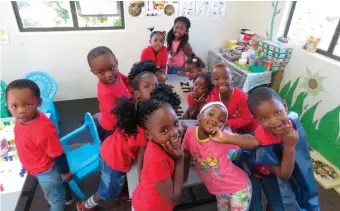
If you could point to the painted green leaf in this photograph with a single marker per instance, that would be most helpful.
(273, 4)
(298, 105)
(278, 12)
(284, 90)
(290, 93)
(267, 34)
(329, 125)
(309, 125)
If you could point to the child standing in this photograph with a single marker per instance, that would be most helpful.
(199, 95)
(207, 145)
(194, 66)
(104, 65)
(178, 45)
(239, 119)
(156, 52)
(161, 181)
(37, 142)
(119, 150)
(278, 127)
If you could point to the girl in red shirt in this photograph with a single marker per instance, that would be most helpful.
(156, 52)
(199, 96)
(119, 150)
(239, 119)
(161, 181)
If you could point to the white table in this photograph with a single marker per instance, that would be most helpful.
(10, 178)
(241, 79)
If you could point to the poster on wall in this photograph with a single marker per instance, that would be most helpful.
(162, 8)
(187, 8)
(202, 8)
(136, 8)
(217, 8)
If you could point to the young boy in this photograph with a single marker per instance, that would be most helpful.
(37, 142)
(104, 65)
(284, 172)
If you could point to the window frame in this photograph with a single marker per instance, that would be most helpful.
(75, 26)
(335, 38)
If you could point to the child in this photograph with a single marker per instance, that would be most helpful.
(37, 142)
(194, 66)
(156, 52)
(178, 45)
(147, 66)
(118, 150)
(239, 119)
(277, 127)
(208, 146)
(161, 182)
(104, 65)
(199, 95)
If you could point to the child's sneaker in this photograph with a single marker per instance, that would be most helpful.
(81, 206)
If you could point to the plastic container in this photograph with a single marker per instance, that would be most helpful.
(244, 55)
(241, 66)
(231, 43)
(256, 68)
(242, 61)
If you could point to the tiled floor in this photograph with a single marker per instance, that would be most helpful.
(72, 112)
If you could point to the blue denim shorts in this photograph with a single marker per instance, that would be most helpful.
(111, 181)
(52, 185)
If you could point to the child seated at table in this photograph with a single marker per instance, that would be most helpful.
(199, 96)
(119, 150)
(194, 66)
(104, 65)
(239, 119)
(207, 145)
(37, 142)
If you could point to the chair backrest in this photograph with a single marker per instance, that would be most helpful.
(88, 124)
(47, 85)
(2, 92)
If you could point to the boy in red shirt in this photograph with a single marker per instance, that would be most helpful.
(37, 142)
(239, 119)
(104, 65)
(156, 52)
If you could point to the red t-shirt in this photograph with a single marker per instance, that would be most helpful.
(160, 58)
(126, 82)
(107, 94)
(239, 116)
(158, 166)
(191, 100)
(37, 144)
(118, 150)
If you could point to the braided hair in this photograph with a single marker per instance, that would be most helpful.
(144, 66)
(131, 115)
(195, 60)
(184, 40)
(153, 33)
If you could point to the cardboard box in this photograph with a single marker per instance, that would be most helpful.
(266, 52)
(278, 67)
(276, 47)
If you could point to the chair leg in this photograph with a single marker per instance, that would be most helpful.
(75, 188)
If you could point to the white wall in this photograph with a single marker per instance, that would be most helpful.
(63, 54)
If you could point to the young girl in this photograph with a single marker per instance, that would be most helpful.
(161, 180)
(118, 150)
(208, 145)
(156, 52)
(239, 119)
(178, 45)
(199, 95)
(194, 66)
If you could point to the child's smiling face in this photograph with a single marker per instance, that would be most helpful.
(157, 41)
(213, 116)
(105, 67)
(179, 29)
(272, 115)
(199, 88)
(221, 79)
(23, 104)
(163, 126)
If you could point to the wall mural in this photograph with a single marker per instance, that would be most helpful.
(322, 133)
(276, 11)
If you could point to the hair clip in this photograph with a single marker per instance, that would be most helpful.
(151, 29)
(194, 60)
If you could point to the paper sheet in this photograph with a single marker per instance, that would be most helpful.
(217, 8)
(187, 8)
(202, 8)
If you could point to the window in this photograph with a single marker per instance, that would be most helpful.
(37, 16)
(318, 19)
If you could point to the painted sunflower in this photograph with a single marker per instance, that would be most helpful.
(313, 83)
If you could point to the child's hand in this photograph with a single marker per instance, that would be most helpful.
(67, 177)
(176, 154)
(201, 100)
(217, 135)
(290, 136)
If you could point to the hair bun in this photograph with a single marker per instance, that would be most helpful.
(151, 29)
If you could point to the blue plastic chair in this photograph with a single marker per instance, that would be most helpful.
(4, 112)
(83, 161)
(48, 89)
